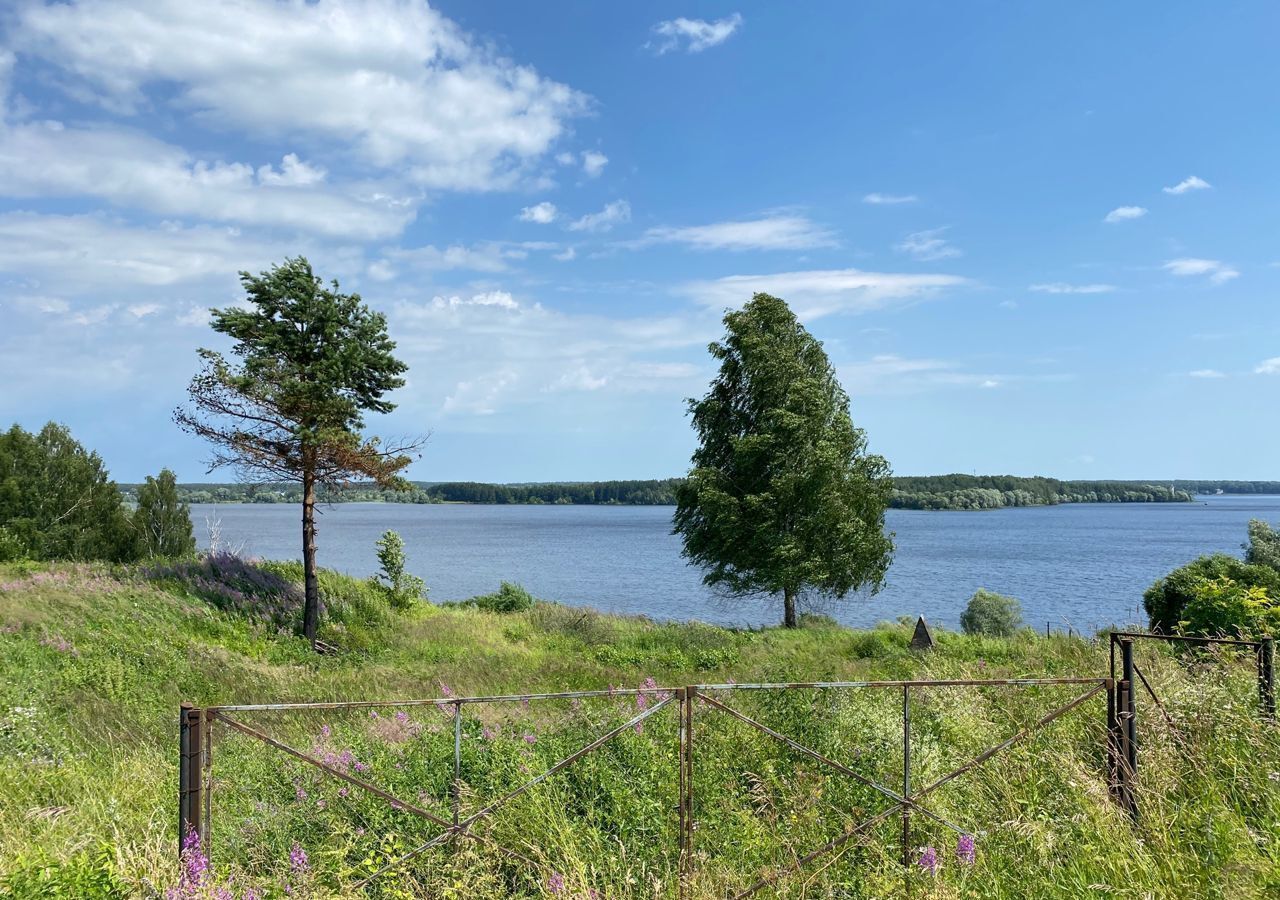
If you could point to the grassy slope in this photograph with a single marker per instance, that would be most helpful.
(95, 663)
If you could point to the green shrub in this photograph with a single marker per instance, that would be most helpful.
(991, 614)
(1263, 548)
(1166, 600)
(1221, 606)
(508, 598)
(85, 876)
(403, 589)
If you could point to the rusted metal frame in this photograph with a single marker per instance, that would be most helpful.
(682, 810)
(906, 775)
(438, 701)
(691, 702)
(953, 682)
(1004, 745)
(206, 777)
(834, 844)
(455, 787)
(463, 827)
(839, 767)
(1186, 638)
(1267, 677)
(1129, 721)
(190, 776)
(394, 801)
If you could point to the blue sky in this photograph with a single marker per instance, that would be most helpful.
(1035, 238)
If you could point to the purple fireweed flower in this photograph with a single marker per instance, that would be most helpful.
(445, 690)
(325, 731)
(530, 738)
(298, 859)
(344, 791)
(487, 733)
(929, 860)
(402, 717)
(373, 714)
(965, 851)
(555, 883)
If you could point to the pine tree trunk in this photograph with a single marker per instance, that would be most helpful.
(311, 607)
(789, 619)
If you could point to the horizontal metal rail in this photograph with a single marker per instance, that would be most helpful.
(1190, 639)
(953, 682)
(437, 701)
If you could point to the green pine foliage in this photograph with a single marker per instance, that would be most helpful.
(783, 497)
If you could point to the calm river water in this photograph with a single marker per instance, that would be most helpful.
(1084, 565)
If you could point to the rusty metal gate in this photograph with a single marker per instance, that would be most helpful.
(698, 708)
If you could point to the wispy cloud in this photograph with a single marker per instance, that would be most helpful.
(928, 245)
(1268, 366)
(593, 163)
(614, 213)
(693, 35)
(1125, 213)
(821, 292)
(1062, 287)
(540, 213)
(1217, 271)
(1206, 373)
(778, 232)
(1193, 183)
(878, 199)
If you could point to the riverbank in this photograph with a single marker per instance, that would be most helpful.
(97, 661)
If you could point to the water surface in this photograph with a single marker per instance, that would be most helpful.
(1084, 564)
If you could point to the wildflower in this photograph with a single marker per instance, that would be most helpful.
(555, 883)
(344, 791)
(965, 850)
(325, 731)
(298, 859)
(402, 717)
(373, 714)
(445, 690)
(487, 733)
(929, 860)
(530, 738)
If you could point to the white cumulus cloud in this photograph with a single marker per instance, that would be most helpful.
(693, 35)
(593, 163)
(1217, 271)
(541, 213)
(877, 199)
(1268, 366)
(928, 245)
(1193, 183)
(614, 213)
(1125, 213)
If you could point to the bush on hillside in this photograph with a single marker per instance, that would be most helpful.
(1221, 606)
(991, 614)
(508, 598)
(1167, 599)
(1263, 548)
(403, 589)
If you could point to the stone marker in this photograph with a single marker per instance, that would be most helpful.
(922, 639)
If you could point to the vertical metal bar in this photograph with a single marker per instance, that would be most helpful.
(1130, 711)
(682, 811)
(206, 771)
(906, 774)
(455, 789)
(1266, 676)
(690, 698)
(189, 806)
(1109, 740)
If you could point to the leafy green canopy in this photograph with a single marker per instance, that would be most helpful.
(313, 361)
(57, 500)
(161, 521)
(1166, 601)
(783, 497)
(992, 614)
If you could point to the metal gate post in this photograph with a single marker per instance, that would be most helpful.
(906, 774)
(1129, 717)
(455, 788)
(1267, 677)
(191, 764)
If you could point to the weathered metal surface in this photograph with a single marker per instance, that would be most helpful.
(922, 637)
(950, 682)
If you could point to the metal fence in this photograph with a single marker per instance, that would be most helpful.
(699, 710)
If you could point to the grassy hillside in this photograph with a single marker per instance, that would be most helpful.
(96, 661)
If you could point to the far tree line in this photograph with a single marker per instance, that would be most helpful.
(954, 492)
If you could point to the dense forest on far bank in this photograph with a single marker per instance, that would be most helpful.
(910, 492)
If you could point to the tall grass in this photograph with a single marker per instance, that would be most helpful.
(96, 661)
